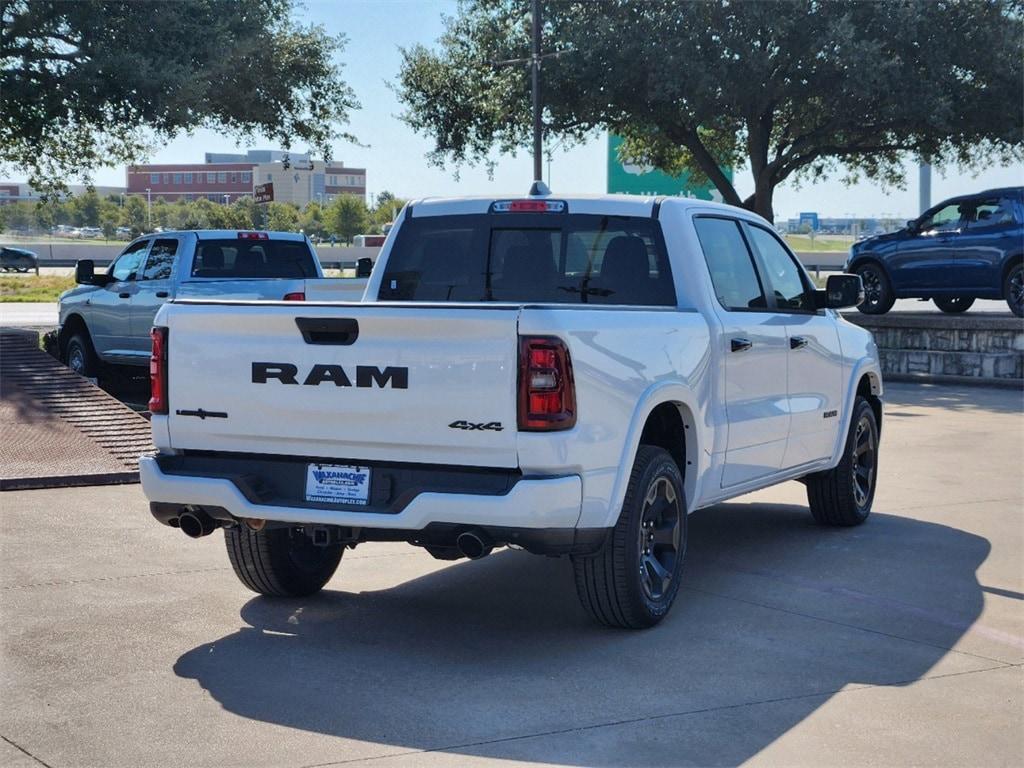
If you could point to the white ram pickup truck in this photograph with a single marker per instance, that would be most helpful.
(567, 375)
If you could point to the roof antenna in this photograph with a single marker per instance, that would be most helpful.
(539, 189)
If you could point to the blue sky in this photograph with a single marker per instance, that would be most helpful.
(394, 155)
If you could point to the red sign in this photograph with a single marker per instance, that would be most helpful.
(263, 193)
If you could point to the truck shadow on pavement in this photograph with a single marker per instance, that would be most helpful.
(495, 658)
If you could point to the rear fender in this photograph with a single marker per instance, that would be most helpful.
(698, 460)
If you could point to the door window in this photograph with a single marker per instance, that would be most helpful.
(127, 264)
(160, 263)
(732, 269)
(989, 213)
(946, 219)
(786, 281)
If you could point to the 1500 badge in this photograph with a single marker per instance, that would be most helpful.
(492, 426)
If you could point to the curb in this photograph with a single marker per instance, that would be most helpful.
(67, 481)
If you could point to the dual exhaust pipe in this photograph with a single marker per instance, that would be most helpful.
(195, 523)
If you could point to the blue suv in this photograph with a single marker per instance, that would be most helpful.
(963, 249)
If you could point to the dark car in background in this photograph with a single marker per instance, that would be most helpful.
(966, 248)
(17, 259)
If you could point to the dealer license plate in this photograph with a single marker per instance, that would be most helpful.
(337, 484)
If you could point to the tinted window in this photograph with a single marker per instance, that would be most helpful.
(783, 274)
(991, 212)
(516, 257)
(127, 264)
(253, 258)
(160, 262)
(729, 262)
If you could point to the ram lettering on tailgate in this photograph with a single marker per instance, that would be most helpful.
(397, 377)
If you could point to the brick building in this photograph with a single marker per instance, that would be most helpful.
(220, 182)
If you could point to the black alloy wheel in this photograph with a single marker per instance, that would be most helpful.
(1013, 290)
(660, 538)
(878, 295)
(865, 461)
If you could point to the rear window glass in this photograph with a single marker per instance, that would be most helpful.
(253, 258)
(535, 258)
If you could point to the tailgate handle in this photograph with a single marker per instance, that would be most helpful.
(338, 331)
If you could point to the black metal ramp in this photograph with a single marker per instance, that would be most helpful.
(59, 429)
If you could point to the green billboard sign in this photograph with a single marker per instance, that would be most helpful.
(631, 179)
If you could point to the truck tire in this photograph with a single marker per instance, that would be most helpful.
(878, 294)
(280, 562)
(80, 356)
(842, 496)
(1013, 289)
(633, 580)
(954, 304)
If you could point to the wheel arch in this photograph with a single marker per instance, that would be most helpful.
(667, 416)
(1009, 263)
(869, 258)
(73, 323)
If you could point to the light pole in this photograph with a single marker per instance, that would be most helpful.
(149, 208)
(227, 199)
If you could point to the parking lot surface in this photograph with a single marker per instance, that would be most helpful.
(122, 643)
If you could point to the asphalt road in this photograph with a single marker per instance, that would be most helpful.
(899, 642)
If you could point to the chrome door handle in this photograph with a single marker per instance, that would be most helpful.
(740, 345)
(797, 342)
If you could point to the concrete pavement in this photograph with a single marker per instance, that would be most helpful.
(899, 642)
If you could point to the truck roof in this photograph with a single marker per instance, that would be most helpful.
(618, 205)
(227, 234)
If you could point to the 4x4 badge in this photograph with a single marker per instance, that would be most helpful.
(493, 426)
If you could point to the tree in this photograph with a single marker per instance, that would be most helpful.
(85, 210)
(346, 216)
(135, 217)
(282, 217)
(386, 209)
(795, 90)
(95, 82)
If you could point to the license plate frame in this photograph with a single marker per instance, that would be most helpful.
(337, 484)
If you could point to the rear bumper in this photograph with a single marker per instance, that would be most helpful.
(530, 503)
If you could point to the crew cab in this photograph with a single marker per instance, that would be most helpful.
(965, 248)
(567, 375)
(107, 318)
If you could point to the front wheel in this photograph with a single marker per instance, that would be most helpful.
(80, 356)
(842, 496)
(954, 304)
(1013, 290)
(281, 562)
(878, 293)
(633, 580)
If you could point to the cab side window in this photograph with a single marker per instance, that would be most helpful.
(946, 219)
(733, 275)
(160, 263)
(127, 264)
(784, 276)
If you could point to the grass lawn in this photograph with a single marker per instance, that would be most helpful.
(33, 287)
(805, 243)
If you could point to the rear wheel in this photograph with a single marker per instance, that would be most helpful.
(843, 496)
(954, 304)
(281, 562)
(1013, 289)
(878, 293)
(80, 356)
(633, 580)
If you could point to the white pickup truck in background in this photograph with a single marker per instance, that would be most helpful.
(568, 375)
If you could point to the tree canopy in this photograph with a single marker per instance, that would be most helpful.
(794, 89)
(87, 83)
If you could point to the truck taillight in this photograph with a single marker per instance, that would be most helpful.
(295, 296)
(547, 394)
(158, 371)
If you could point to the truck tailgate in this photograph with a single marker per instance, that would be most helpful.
(415, 384)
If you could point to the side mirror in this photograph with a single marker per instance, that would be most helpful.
(85, 272)
(841, 291)
(912, 226)
(364, 267)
